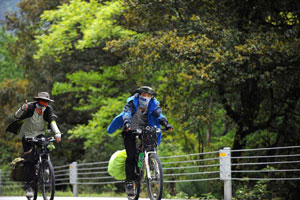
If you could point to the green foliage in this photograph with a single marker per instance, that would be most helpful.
(9, 68)
(243, 70)
(259, 191)
(223, 141)
(95, 131)
(180, 195)
(208, 196)
(80, 25)
(11, 93)
(226, 72)
(91, 88)
(198, 189)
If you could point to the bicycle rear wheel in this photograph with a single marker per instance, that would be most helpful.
(155, 183)
(47, 180)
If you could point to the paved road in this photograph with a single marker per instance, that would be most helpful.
(72, 198)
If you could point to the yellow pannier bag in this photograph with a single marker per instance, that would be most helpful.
(17, 169)
(116, 165)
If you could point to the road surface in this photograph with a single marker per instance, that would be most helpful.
(72, 198)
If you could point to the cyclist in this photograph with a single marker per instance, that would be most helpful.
(141, 110)
(33, 116)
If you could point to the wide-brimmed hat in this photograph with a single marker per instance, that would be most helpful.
(43, 96)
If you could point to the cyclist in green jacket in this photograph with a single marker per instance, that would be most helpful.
(33, 116)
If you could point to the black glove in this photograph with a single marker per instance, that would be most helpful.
(127, 126)
(169, 127)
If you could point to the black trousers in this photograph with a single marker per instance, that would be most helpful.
(130, 146)
(29, 161)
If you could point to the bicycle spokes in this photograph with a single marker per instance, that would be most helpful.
(155, 181)
(47, 181)
(154, 173)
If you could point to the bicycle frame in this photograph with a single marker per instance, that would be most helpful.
(43, 152)
(147, 153)
(151, 164)
(148, 150)
(42, 156)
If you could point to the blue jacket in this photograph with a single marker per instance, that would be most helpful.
(155, 116)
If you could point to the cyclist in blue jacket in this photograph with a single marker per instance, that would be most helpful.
(141, 110)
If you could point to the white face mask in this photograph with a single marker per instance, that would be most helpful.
(144, 101)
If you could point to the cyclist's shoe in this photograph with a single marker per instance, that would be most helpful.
(130, 188)
(29, 192)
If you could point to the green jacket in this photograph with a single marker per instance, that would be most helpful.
(15, 126)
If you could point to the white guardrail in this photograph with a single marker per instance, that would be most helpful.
(271, 164)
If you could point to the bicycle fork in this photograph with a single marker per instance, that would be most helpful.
(147, 163)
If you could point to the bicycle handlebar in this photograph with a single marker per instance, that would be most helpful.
(139, 131)
(42, 139)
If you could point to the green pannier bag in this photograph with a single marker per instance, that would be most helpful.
(116, 165)
(17, 169)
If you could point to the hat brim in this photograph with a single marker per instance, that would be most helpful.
(43, 98)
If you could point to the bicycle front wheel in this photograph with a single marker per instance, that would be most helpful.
(47, 180)
(35, 189)
(155, 182)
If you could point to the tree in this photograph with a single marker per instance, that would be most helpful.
(250, 58)
(9, 68)
(212, 63)
(12, 92)
(80, 25)
(7, 6)
(12, 88)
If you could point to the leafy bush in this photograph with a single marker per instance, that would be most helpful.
(259, 191)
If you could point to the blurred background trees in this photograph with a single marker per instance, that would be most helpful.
(226, 72)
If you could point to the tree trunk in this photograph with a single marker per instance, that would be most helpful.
(208, 133)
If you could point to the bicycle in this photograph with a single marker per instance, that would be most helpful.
(148, 159)
(44, 171)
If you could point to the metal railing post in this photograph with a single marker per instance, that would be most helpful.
(225, 172)
(73, 178)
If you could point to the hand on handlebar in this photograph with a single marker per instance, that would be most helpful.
(169, 127)
(127, 126)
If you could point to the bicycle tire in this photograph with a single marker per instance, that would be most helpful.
(155, 184)
(48, 180)
(35, 190)
(35, 184)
